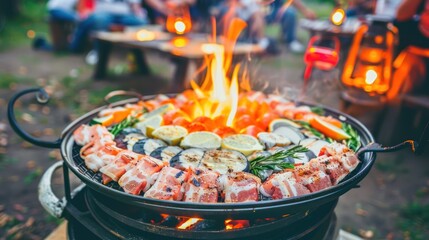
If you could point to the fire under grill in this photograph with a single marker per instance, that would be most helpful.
(89, 217)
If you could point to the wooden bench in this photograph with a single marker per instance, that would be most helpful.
(180, 56)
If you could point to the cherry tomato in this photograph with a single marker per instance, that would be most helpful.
(252, 130)
(224, 131)
(266, 119)
(196, 126)
(169, 116)
(220, 120)
(206, 121)
(181, 121)
(244, 121)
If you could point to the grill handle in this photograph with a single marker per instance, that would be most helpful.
(416, 146)
(121, 93)
(50, 202)
(42, 97)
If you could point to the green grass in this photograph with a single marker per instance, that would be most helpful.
(7, 79)
(33, 17)
(414, 221)
(391, 165)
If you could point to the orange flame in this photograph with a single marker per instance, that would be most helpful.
(188, 223)
(236, 224)
(218, 94)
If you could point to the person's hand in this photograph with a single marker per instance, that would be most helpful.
(309, 14)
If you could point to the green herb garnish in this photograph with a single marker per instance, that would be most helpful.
(127, 122)
(275, 161)
(354, 141)
(318, 110)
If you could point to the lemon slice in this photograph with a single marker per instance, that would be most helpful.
(243, 143)
(170, 134)
(104, 121)
(148, 125)
(201, 139)
(157, 112)
(281, 122)
(329, 129)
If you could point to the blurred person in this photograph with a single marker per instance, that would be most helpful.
(161, 9)
(63, 10)
(105, 14)
(59, 11)
(250, 11)
(285, 12)
(412, 21)
(360, 8)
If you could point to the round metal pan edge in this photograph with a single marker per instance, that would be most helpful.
(267, 208)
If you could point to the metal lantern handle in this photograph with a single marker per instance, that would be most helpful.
(42, 97)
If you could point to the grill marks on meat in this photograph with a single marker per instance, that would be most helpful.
(140, 177)
(168, 185)
(332, 166)
(239, 187)
(201, 187)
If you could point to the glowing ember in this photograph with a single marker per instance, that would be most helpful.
(370, 77)
(189, 223)
(236, 224)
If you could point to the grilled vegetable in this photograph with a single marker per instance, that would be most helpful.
(258, 154)
(127, 122)
(291, 133)
(127, 137)
(147, 146)
(270, 140)
(187, 158)
(354, 141)
(165, 153)
(225, 161)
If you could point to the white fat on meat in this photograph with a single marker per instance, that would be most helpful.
(239, 187)
(282, 185)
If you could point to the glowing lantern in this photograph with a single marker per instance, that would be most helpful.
(369, 62)
(338, 16)
(179, 22)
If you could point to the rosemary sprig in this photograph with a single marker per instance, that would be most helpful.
(275, 161)
(353, 142)
(127, 122)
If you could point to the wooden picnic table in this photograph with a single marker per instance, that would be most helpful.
(163, 43)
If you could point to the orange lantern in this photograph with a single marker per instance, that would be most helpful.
(369, 63)
(179, 22)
